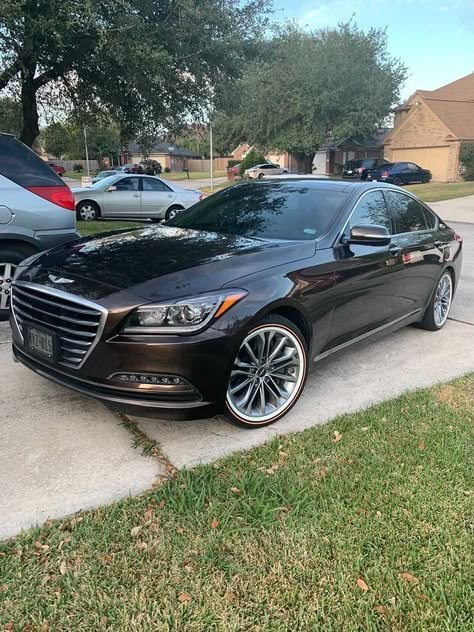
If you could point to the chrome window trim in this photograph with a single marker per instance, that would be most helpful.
(71, 298)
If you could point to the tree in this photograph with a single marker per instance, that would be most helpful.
(56, 139)
(466, 157)
(311, 86)
(10, 116)
(134, 60)
(253, 158)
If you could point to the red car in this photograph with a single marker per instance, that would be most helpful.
(57, 168)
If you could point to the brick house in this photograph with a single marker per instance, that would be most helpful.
(430, 127)
(167, 154)
(333, 155)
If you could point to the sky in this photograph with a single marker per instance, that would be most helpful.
(434, 38)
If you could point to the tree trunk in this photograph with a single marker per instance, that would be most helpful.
(304, 162)
(29, 106)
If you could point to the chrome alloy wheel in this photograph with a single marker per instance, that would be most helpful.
(267, 376)
(87, 212)
(442, 300)
(7, 270)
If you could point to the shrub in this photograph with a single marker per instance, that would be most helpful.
(167, 170)
(77, 167)
(232, 163)
(253, 158)
(466, 157)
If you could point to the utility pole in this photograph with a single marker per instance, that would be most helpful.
(87, 151)
(211, 154)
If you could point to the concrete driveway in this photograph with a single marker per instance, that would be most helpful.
(60, 452)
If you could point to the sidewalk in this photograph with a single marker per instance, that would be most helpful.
(456, 210)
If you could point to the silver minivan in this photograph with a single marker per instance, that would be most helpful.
(37, 210)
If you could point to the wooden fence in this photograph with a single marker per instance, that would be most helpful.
(199, 164)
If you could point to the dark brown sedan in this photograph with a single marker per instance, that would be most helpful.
(229, 302)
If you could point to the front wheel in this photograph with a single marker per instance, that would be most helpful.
(268, 373)
(437, 311)
(87, 211)
(10, 257)
(173, 211)
(397, 181)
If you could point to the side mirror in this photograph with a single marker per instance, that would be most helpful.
(111, 188)
(369, 235)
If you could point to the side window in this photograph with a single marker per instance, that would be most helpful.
(407, 213)
(413, 167)
(430, 219)
(150, 184)
(371, 210)
(127, 184)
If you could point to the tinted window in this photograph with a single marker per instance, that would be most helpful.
(154, 185)
(127, 184)
(267, 210)
(407, 213)
(430, 219)
(413, 167)
(21, 165)
(371, 210)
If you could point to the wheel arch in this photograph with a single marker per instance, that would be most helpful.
(293, 314)
(90, 202)
(23, 244)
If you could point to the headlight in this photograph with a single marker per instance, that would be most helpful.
(181, 317)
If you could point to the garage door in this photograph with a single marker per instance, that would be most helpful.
(433, 158)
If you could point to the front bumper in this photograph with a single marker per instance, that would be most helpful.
(203, 362)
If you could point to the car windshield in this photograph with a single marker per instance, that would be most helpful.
(291, 211)
(103, 183)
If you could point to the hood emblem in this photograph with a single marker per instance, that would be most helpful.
(59, 279)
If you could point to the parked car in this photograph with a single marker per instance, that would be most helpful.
(133, 197)
(361, 168)
(105, 174)
(229, 303)
(400, 173)
(59, 169)
(130, 167)
(150, 167)
(266, 169)
(36, 210)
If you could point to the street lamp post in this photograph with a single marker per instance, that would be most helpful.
(87, 151)
(211, 154)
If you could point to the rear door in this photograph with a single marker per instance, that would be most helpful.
(368, 278)
(156, 198)
(123, 199)
(416, 236)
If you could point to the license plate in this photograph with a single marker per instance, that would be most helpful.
(40, 342)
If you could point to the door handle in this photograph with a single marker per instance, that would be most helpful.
(136, 195)
(440, 244)
(395, 250)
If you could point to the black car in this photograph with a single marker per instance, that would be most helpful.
(229, 302)
(361, 168)
(400, 173)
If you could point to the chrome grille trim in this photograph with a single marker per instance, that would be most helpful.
(55, 306)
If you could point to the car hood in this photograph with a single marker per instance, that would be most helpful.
(82, 190)
(166, 262)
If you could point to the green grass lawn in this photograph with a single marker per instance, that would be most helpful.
(193, 175)
(74, 174)
(436, 191)
(363, 524)
(91, 228)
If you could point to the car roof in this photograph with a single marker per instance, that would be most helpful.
(322, 183)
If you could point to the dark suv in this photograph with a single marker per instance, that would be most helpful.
(37, 210)
(361, 168)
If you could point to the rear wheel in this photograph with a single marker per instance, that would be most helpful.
(260, 176)
(426, 179)
(9, 260)
(268, 373)
(87, 211)
(173, 211)
(437, 311)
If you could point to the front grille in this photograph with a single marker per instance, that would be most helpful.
(77, 323)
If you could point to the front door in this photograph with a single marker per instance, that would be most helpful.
(368, 278)
(123, 199)
(156, 198)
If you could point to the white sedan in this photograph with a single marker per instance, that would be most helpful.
(266, 169)
(133, 197)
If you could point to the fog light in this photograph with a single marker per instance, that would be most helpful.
(147, 378)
